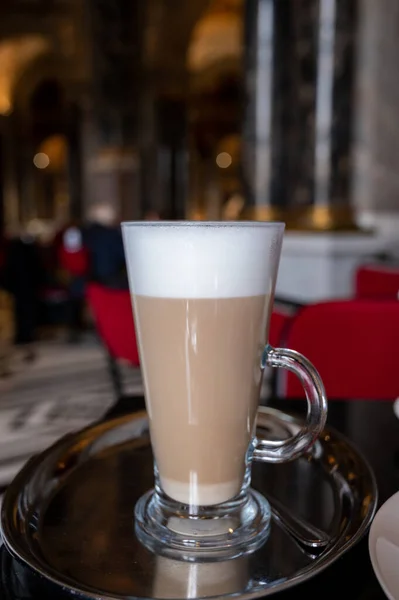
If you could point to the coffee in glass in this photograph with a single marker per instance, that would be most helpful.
(202, 293)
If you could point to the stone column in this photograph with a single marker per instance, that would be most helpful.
(163, 152)
(377, 132)
(298, 115)
(116, 30)
(280, 65)
(334, 116)
(171, 115)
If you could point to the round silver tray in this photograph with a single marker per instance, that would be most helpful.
(69, 516)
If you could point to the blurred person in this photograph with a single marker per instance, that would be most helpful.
(103, 240)
(73, 261)
(23, 279)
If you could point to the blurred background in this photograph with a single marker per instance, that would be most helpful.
(167, 109)
(208, 109)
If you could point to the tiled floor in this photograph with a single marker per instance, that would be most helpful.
(66, 388)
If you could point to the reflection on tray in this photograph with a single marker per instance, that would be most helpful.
(77, 525)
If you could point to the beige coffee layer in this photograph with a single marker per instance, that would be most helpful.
(201, 367)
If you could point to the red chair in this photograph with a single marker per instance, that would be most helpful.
(354, 346)
(377, 281)
(112, 311)
(70, 251)
(74, 263)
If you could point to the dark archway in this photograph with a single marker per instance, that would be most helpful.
(214, 63)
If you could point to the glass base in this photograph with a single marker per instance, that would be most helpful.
(219, 532)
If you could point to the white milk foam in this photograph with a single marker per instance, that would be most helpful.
(200, 261)
(200, 495)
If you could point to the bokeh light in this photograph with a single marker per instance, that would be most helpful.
(41, 160)
(224, 160)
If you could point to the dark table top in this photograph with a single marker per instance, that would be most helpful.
(371, 425)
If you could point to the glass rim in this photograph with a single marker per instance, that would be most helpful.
(205, 224)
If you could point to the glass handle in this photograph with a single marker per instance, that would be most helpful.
(283, 451)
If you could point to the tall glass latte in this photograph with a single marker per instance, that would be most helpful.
(201, 323)
(202, 295)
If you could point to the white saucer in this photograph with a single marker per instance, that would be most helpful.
(384, 546)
